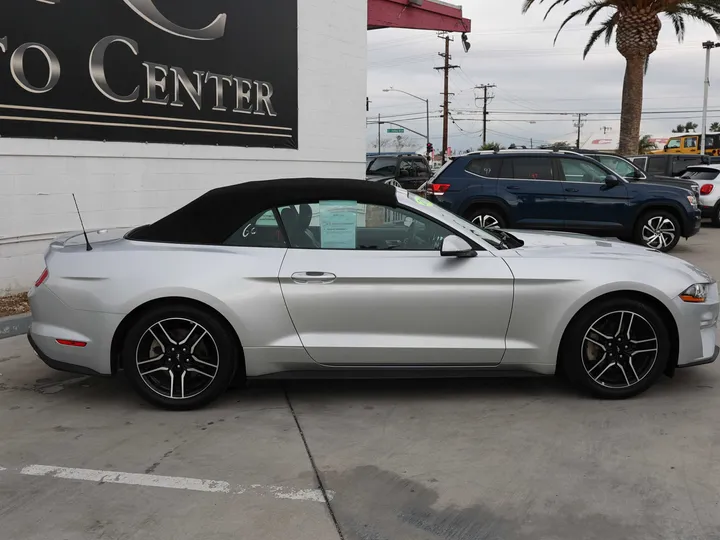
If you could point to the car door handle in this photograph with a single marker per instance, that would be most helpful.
(512, 188)
(572, 189)
(313, 277)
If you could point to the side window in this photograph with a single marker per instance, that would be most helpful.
(691, 142)
(620, 166)
(421, 167)
(357, 226)
(506, 169)
(673, 143)
(576, 170)
(261, 231)
(640, 162)
(656, 165)
(407, 168)
(488, 168)
(532, 168)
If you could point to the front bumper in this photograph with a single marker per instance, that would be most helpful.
(695, 222)
(697, 331)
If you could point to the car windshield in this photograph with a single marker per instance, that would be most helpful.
(495, 239)
(382, 166)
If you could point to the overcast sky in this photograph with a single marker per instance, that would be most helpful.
(516, 53)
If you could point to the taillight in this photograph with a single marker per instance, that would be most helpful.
(706, 189)
(71, 342)
(439, 189)
(42, 278)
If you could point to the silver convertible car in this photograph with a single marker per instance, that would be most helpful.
(338, 278)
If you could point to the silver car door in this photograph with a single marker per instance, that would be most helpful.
(392, 307)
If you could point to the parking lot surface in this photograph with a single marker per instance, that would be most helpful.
(502, 459)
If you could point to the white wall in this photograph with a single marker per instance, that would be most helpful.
(127, 184)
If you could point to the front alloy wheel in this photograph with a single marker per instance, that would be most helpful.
(658, 230)
(179, 357)
(616, 348)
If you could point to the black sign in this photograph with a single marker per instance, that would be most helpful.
(216, 72)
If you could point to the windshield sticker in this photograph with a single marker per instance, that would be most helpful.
(423, 202)
(338, 223)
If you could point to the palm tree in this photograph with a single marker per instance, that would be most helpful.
(646, 145)
(638, 24)
(715, 126)
(687, 127)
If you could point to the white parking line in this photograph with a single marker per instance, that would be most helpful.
(171, 482)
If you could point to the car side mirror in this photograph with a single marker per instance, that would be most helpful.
(454, 246)
(612, 180)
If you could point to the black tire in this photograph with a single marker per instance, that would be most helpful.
(487, 216)
(607, 378)
(215, 348)
(657, 220)
(716, 216)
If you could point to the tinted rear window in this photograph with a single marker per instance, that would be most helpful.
(532, 168)
(484, 167)
(701, 175)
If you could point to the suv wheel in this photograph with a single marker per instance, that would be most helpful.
(658, 229)
(487, 218)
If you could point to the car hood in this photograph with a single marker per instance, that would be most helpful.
(550, 244)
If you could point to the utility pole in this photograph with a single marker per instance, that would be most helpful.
(708, 46)
(446, 92)
(579, 124)
(379, 124)
(484, 88)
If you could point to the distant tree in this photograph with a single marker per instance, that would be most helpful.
(561, 145)
(646, 145)
(636, 24)
(687, 127)
(402, 142)
(384, 143)
(492, 146)
(715, 126)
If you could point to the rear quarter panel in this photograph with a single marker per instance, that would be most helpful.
(240, 283)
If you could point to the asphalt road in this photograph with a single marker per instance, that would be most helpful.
(515, 459)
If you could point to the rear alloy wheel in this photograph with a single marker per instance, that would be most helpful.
(179, 357)
(616, 349)
(659, 230)
(487, 218)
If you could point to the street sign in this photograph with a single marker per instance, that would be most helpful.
(395, 130)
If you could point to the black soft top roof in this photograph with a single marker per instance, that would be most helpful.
(216, 215)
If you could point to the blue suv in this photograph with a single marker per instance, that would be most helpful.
(563, 191)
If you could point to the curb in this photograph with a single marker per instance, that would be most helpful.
(17, 325)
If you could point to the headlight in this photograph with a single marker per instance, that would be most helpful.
(692, 200)
(695, 293)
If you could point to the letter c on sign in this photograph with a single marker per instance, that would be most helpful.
(147, 10)
(97, 68)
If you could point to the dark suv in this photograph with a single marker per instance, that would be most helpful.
(409, 171)
(563, 191)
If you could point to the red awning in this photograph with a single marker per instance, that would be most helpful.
(416, 14)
